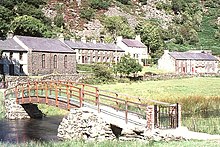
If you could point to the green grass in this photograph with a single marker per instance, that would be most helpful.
(152, 69)
(116, 144)
(198, 124)
(171, 89)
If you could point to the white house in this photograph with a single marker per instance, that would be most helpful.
(191, 62)
(13, 58)
(134, 47)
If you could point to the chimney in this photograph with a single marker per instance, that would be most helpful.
(166, 51)
(61, 37)
(72, 39)
(119, 39)
(10, 35)
(83, 39)
(138, 38)
(102, 39)
(94, 41)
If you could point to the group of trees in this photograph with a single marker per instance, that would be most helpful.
(103, 73)
(25, 17)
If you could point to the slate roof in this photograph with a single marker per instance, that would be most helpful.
(93, 46)
(10, 44)
(44, 44)
(133, 43)
(192, 56)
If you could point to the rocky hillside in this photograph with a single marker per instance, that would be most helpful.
(71, 11)
(162, 24)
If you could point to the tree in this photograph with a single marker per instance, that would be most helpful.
(151, 35)
(118, 26)
(127, 65)
(27, 9)
(5, 19)
(28, 26)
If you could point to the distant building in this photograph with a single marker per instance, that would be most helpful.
(135, 48)
(92, 52)
(191, 62)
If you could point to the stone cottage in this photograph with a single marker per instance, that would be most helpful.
(37, 56)
(134, 47)
(191, 62)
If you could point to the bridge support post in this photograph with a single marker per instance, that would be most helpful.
(150, 117)
(178, 112)
(97, 99)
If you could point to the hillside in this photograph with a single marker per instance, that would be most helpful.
(174, 24)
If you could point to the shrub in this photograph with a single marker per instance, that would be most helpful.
(84, 67)
(99, 4)
(88, 13)
(125, 2)
(58, 20)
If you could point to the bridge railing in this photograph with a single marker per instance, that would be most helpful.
(78, 94)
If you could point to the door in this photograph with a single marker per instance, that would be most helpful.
(11, 69)
(1, 69)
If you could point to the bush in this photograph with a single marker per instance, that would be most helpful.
(125, 2)
(99, 4)
(84, 67)
(217, 34)
(101, 74)
(143, 2)
(58, 20)
(87, 13)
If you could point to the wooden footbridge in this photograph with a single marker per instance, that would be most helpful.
(112, 106)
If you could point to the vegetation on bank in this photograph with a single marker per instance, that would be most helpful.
(116, 143)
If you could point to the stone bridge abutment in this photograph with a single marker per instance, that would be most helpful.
(21, 111)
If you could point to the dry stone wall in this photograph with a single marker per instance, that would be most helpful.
(82, 124)
(12, 81)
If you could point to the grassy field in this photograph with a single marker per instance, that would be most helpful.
(169, 89)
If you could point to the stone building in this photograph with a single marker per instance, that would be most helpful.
(91, 52)
(191, 62)
(37, 56)
(135, 48)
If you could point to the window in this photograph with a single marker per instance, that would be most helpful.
(21, 68)
(55, 61)
(1, 55)
(43, 61)
(20, 56)
(65, 61)
(11, 55)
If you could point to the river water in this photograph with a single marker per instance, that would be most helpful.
(18, 131)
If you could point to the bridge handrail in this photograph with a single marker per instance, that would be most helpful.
(138, 98)
(84, 92)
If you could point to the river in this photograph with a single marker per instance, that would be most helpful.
(19, 131)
